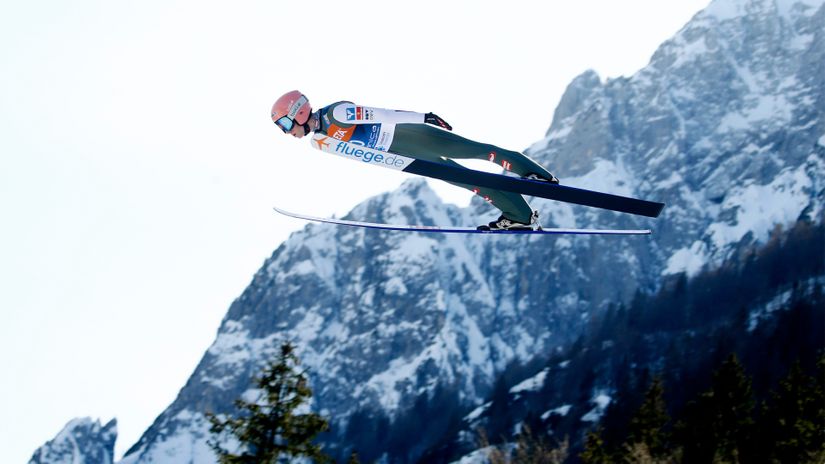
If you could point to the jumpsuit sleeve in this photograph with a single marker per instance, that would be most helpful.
(351, 113)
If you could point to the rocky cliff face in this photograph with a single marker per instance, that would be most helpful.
(725, 125)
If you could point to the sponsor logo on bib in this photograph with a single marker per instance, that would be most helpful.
(359, 113)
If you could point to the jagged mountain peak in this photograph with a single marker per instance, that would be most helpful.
(575, 95)
(82, 441)
(722, 126)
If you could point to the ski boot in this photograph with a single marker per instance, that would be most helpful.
(502, 223)
(533, 176)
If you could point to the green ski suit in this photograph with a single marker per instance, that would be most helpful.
(405, 133)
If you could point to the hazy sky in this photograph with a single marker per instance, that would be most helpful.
(138, 164)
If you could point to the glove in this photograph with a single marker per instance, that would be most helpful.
(435, 120)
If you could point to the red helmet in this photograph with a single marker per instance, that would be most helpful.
(293, 107)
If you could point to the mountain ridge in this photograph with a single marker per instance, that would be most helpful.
(395, 315)
(728, 132)
(81, 440)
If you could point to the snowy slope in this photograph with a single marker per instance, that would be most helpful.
(725, 125)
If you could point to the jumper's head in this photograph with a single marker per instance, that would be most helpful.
(291, 109)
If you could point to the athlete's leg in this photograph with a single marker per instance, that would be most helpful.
(512, 205)
(420, 138)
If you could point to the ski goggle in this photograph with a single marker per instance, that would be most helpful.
(287, 122)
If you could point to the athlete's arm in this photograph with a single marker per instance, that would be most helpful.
(350, 113)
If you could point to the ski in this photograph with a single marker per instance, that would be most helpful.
(459, 230)
(483, 179)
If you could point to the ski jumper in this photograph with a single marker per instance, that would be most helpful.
(405, 133)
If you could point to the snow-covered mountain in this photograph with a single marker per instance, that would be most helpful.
(725, 125)
(82, 441)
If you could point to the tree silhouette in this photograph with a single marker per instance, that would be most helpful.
(648, 425)
(720, 425)
(270, 429)
(595, 451)
(795, 417)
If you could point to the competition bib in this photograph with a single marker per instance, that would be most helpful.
(354, 148)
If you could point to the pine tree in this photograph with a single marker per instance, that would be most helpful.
(595, 451)
(719, 426)
(796, 417)
(270, 428)
(695, 431)
(734, 405)
(648, 425)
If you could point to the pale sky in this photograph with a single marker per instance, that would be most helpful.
(138, 164)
